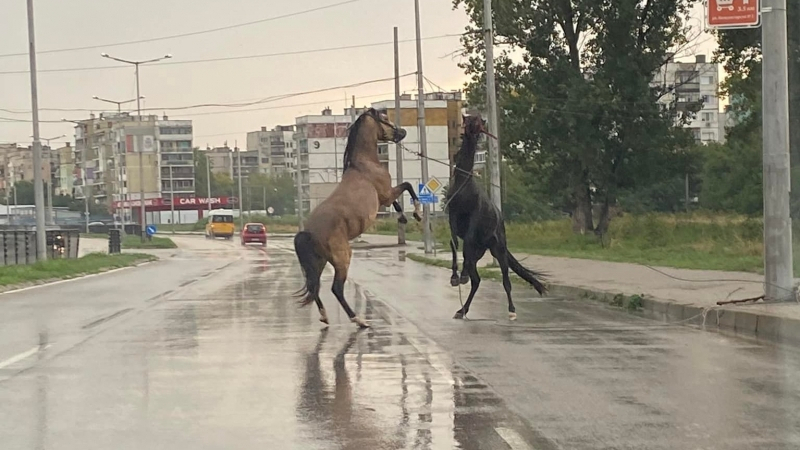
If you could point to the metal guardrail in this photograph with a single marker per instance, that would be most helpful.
(18, 247)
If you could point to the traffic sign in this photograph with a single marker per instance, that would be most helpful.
(433, 185)
(733, 13)
(426, 197)
(150, 230)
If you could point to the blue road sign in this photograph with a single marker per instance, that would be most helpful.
(150, 230)
(426, 197)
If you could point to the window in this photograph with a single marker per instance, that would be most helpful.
(222, 219)
(705, 98)
(708, 116)
(706, 80)
(709, 136)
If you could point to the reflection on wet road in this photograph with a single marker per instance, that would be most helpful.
(231, 362)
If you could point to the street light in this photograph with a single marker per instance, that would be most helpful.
(86, 143)
(119, 104)
(136, 65)
(49, 218)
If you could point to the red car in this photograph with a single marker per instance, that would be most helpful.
(254, 232)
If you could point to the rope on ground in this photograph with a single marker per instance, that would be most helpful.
(792, 293)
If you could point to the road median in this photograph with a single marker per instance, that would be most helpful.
(17, 277)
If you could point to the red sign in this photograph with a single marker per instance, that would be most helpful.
(734, 13)
(180, 201)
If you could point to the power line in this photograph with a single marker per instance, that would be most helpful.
(276, 98)
(294, 105)
(229, 105)
(193, 33)
(230, 58)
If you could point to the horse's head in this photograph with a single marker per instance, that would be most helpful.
(474, 125)
(387, 131)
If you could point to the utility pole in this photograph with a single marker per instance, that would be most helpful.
(171, 199)
(423, 140)
(299, 180)
(87, 148)
(778, 271)
(38, 188)
(401, 228)
(491, 105)
(265, 198)
(353, 110)
(208, 180)
(136, 64)
(239, 164)
(48, 216)
(336, 148)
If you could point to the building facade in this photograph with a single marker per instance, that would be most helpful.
(274, 148)
(690, 83)
(106, 166)
(17, 165)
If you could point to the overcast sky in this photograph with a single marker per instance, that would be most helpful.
(80, 23)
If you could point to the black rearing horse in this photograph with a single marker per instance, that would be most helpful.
(475, 219)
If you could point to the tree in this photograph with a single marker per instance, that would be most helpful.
(732, 178)
(263, 191)
(580, 110)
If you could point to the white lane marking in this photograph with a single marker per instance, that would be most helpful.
(513, 439)
(20, 357)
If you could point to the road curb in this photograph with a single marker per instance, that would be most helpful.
(750, 323)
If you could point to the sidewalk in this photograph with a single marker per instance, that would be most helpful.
(675, 295)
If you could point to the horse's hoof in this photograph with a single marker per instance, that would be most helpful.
(464, 279)
(362, 324)
(512, 316)
(459, 315)
(454, 281)
(402, 220)
(324, 319)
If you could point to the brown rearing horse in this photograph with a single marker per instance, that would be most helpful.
(350, 209)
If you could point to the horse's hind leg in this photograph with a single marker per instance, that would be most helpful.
(500, 253)
(341, 264)
(471, 257)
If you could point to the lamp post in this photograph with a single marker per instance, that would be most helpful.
(136, 65)
(119, 104)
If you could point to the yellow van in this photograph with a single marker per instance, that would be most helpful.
(220, 224)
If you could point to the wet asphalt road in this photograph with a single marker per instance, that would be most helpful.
(207, 350)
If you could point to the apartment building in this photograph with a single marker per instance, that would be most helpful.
(690, 83)
(225, 160)
(106, 160)
(275, 149)
(16, 164)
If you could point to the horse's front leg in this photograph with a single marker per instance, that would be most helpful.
(398, 190)
(402, 219)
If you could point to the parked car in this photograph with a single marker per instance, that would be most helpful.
(254, 232)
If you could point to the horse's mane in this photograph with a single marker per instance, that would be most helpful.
(351, 142)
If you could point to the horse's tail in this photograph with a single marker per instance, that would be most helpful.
(526, 274)
(309, 259)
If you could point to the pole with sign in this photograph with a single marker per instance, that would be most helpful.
(734, 14)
